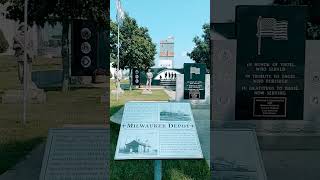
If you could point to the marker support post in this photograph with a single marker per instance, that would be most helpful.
(157, 170)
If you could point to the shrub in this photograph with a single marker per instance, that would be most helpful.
(4, 45)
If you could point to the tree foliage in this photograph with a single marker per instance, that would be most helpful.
(41, 12)
(136, 46)
(201, 51)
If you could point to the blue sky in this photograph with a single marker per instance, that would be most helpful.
(182, 19)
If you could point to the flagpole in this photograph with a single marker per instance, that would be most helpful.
(118, 55)
(120, 16)
(25, 68)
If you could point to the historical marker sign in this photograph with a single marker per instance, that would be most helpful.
(270, 62)
(236, 155)
(158, 130)
(194, 81)
(76, 153)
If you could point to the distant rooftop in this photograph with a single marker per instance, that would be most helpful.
(170, 39)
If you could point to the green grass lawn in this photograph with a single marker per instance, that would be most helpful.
(9, 70)
(143, 169)
(78, 106)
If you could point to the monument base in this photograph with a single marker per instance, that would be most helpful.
(100, 79)
(35, 96)
(146, 92)
(200, 106)
(121, 91)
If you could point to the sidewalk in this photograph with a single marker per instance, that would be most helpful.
(27, 169)
(202, 120)
(291, 164)
(171, 94)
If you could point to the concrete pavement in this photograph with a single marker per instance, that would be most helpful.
(292, 164)
(29, 168)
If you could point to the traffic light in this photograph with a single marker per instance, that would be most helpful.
(84, 47)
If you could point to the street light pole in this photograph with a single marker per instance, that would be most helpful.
(25, 64)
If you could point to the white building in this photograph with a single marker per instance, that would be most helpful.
(166, 53)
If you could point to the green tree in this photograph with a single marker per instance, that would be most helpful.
(4, 45)
(201, 51)
(136, 47)
(41, 12)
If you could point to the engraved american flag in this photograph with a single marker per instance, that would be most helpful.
(194, 70)
(270, 27)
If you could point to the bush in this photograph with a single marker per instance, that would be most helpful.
(4, 45)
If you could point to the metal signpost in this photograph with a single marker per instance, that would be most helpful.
(157, 170)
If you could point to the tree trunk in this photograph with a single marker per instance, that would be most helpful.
(65, 55)
(130, 79)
